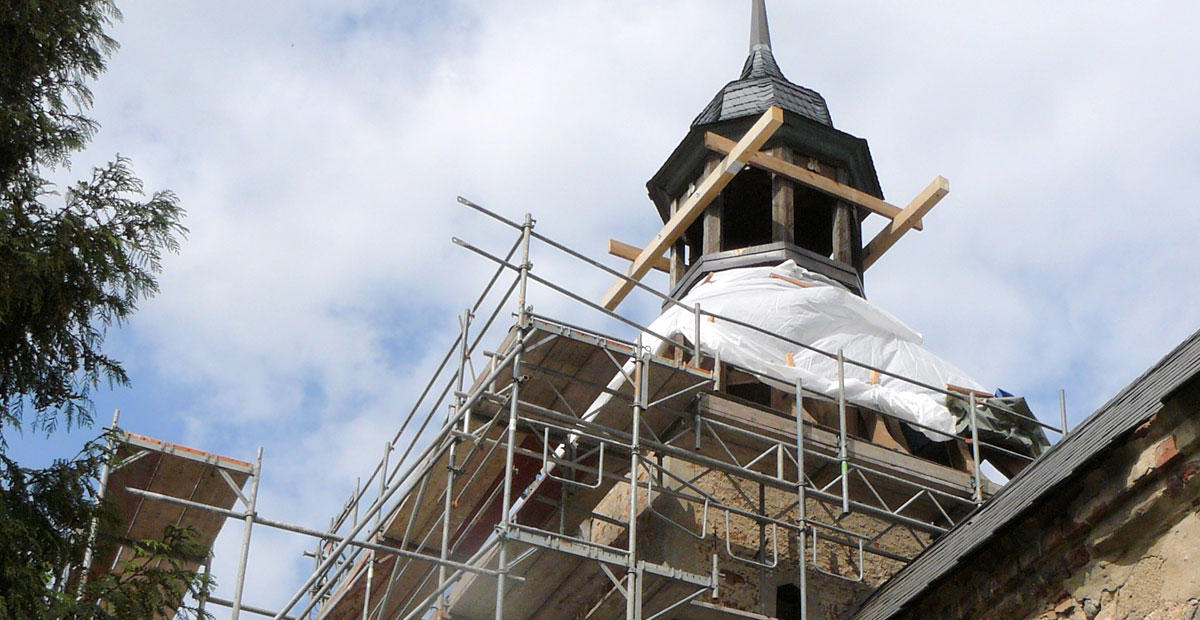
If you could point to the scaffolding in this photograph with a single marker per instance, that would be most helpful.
(533, 481)
(492, 510)
(153, 484)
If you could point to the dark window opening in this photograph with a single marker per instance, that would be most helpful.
(923, 447)
(755, 392)
(814, 220)
(747, 218)
(695, 241)
(787, 602)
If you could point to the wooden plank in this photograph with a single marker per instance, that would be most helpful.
(721, 144)
(800, 283)
(695, 204)
(913, 213)
(967, 391)
(628, 251)
(878, 433)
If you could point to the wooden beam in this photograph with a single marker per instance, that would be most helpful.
(847, 230)
(965, 391)
(630, 252)
(724, 145)
(901, 224)
(783, 201)
(800, 283)
(712, 220)
(678, 255)
(694, 205)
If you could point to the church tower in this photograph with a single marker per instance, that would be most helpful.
(763, 216)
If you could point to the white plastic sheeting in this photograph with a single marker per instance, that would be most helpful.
(827, 317)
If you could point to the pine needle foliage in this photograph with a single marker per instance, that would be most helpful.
(76, 262)
(73, 263)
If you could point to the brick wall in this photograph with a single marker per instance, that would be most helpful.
(1120, 540)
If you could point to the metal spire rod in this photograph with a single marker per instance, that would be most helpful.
(760, 34)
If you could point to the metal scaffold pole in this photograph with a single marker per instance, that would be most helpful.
(202, 600)
(843, 458)
(975, 451)
(252, 500)
(633, 603)
(513, 413)
(451, 465)
(383, 475)
(1062, 411)
(105, 470)
(802, 505)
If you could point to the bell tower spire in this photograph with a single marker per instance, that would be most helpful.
(763, 216)
(760, 34)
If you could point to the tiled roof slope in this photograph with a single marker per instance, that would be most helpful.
(1128, 409)
(761, 86)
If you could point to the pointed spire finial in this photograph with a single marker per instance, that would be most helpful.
(760, 34)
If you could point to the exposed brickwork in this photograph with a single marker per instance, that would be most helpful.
(1121, 543)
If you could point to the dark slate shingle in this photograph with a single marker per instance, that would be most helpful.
(761, 86)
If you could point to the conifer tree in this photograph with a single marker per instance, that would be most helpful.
(74, 262)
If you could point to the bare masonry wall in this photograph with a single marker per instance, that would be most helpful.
(670, 534)
(1120, 542)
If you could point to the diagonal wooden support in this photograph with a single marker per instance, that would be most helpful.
(695, 204)
(799, 174)
(627, 251)
(903, 222)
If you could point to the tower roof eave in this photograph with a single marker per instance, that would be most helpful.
(751, 97)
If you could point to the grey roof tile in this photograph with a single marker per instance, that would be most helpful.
(761, 86)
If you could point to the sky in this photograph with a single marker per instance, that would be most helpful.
(318, 148)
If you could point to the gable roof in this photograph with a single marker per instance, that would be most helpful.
(1123, 413)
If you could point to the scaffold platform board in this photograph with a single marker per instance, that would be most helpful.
(164, 468)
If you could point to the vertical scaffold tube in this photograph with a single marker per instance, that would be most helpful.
(366, 610)
(514, 398)
(247, 530)
(1062, 411)
(802, 506)
(451, 466)
(105, 470)
(975, 450)
(842, 454)
(203, 598)
(447, 504)
(633, 606)
(383, 476)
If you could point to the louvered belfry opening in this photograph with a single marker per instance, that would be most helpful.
(746, 220)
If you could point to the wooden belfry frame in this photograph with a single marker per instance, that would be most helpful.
(737, 156)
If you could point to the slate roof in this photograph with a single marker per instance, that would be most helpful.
(761, 86)
(1128, 409)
